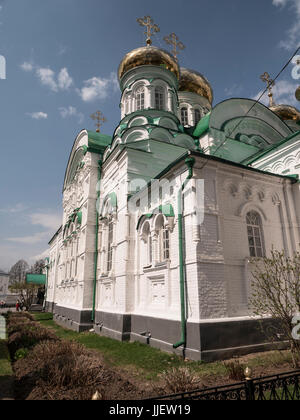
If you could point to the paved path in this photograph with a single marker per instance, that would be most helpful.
(4, 310)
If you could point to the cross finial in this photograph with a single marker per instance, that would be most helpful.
(151, 27)
(266, 78)
(173, 40)
(99, 118)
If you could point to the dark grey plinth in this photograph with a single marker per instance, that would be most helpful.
(206, 341)
(70, 318)
(49, 307)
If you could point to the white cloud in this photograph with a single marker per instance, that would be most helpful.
(18, 208)
(41, 256)
(293, 34)
(47, 78)
(49, 221)
(38, 115)
(30, 240)
(284, 93)
(98, 88)
(65, 81)
(27, 66)
(71, 111)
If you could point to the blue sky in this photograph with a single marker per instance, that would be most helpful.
(61, 62)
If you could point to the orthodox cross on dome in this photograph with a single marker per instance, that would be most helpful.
(266, 78)
(100, 120)
(173, 40)
(151, 27)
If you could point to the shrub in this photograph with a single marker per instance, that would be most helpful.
(16, 315)
(66, 370)
(28, 336)
(179, 380)
(235, 370)
(17, 325)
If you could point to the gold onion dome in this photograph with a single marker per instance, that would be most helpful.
(192, 81)
(286, 112)
(148, 56)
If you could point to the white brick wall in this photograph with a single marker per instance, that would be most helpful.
(217, 269)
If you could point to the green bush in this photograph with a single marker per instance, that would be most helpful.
(21, 354)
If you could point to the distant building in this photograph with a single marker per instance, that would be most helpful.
(4, 283)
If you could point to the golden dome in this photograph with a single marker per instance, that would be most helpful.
(148, 56)
(192, 81)
(297, 94)
(286, 112)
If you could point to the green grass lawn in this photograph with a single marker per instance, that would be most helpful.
(6, 373)
(5, 366)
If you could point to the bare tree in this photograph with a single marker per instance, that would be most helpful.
(276, 293)
(38, 267)
(27, 292)
(18, 272)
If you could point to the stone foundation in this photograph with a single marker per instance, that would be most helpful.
(206, 341)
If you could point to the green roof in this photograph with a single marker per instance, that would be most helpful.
(202, 126)
(36, 279)
(263, 153)
(98, 141)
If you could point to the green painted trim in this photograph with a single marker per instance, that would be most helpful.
(166, 209)
(147, 216)
(96, 241)
(79, 217)
(190, 162)
(114, 202)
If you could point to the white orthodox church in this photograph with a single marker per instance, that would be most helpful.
(161, 219)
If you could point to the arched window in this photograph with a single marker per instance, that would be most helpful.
(140, 99)
(255, 234)
(197, 116)
(110, 238)
(184, 117)
(163, 241)
(159, 98)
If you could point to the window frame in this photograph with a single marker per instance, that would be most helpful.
(140, 98)
(184, 118)
(159, 98)
(255, 235)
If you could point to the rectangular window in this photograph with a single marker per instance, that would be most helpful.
(166, 244)
(159, 100)
(109, 248)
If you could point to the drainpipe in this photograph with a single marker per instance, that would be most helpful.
(190, 162)
(96, 240)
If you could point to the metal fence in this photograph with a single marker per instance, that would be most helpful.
(285, 386)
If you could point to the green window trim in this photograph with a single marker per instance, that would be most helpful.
(166, 209)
